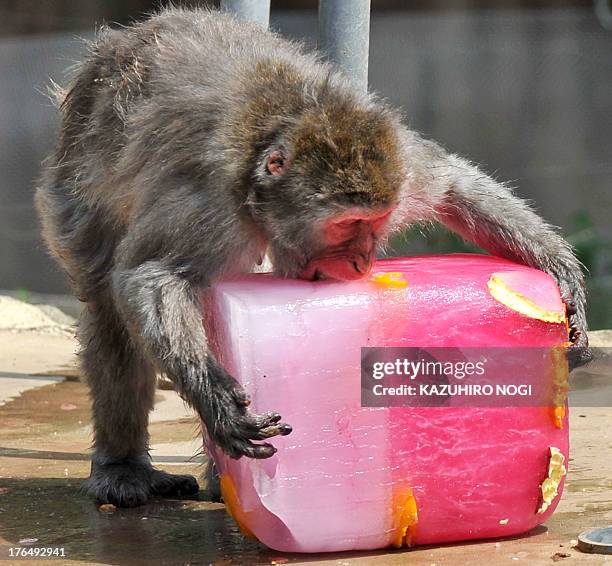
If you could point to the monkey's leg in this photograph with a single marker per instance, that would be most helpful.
(164, 311)
(122, 384)
(488, 214)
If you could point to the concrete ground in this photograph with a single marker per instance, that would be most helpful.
(45, 437)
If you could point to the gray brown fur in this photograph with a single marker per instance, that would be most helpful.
(156, 189)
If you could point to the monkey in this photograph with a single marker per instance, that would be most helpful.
(191, 145)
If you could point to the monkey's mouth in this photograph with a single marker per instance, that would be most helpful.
(324, 270)
(311, 273)
(319, 276)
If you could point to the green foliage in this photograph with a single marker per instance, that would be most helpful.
(595, 251)
(23, 295)
(589, 244)
(430, 239)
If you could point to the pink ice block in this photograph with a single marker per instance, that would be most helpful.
(352, 477)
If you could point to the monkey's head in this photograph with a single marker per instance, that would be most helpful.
(325, 188)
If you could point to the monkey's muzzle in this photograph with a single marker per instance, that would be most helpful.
(345, 268)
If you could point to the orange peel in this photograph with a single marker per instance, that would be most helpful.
(556, 471)
(518, 302)
(232, 505)
(391, 279)
(405, 517)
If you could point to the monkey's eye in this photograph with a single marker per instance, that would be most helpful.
(276, 164)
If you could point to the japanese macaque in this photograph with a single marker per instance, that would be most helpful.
(191, 145)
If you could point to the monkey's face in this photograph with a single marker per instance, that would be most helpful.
(348, 245)
(324, 196)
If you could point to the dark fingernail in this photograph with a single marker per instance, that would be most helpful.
(285, 429)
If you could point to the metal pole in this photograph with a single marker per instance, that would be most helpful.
(344, 35)
(257, 11)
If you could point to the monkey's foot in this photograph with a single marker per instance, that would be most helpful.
(129, 484)
(164, 484)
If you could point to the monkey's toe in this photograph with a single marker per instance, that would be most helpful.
(165, 485)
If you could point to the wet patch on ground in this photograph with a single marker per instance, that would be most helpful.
(45, 437)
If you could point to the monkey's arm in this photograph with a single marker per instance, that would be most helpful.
(486, 212)
(162, 265)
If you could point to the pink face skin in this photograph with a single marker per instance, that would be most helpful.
(350, 246)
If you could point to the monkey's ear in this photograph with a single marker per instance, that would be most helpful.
(277, 162)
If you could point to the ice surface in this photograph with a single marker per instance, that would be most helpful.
(350, 477)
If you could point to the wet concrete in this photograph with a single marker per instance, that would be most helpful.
(44, 456)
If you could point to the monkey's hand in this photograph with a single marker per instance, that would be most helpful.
(492, 217)
(230, 423)
(579, 352)
(173, 332)
(486, 212)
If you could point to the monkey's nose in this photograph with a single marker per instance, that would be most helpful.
(363, 264)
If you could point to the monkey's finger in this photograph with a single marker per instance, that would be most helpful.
(285, 429)
(267, 419)
(574, 334)
(252, 450)
(254, 423)
(579, 352)
(570, 307)
(268, 432)
(251, 421)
